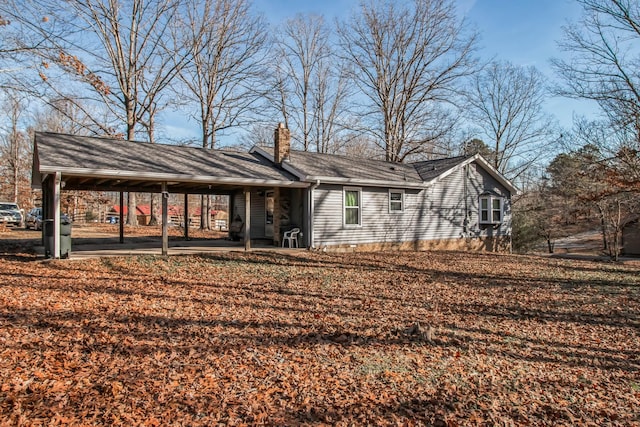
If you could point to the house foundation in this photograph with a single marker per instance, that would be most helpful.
(487, 244)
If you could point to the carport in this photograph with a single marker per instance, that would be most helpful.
(68, 162)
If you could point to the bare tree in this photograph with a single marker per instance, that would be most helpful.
(604, 63)
(66, 116)
(407, 60)
(591, 178)
(302, 45)
(331, 91)
(134, 34)
(506, 105)
(226, 44)
(312, 96)
(260, 135)
(15, 150)
(115, 48)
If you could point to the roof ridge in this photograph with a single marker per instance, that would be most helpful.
(346, 156)
(359, 158)
(136, 141)
(461, 157)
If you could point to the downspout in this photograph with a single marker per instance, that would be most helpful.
(310, 214)
(465, 224)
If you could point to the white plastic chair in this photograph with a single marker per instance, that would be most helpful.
(291, 237)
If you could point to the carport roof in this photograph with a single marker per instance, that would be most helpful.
(90, 163)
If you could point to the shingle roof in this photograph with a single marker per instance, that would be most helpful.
(99, 155)
(431, 169)
(119, 160)
(315, 165)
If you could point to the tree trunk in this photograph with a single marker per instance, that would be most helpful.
(617, 230)
(208, 219)
(153, 220)
(16, 171)
(203, 208)
(153, 217)
(132, 218)
(603, 227)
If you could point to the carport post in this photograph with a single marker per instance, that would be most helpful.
(56, 215)
(121, 222)
(165, 234)
(186, 216)
(247, 219)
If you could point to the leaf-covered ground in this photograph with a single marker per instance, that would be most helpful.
(432, 338)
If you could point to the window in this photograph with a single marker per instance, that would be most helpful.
(396, 201)
(490, 210)
(352, 206)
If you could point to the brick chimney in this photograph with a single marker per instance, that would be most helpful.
(282, 143)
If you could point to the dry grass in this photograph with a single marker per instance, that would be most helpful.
(431, 338)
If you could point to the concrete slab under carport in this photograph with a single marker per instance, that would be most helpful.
(153, 247)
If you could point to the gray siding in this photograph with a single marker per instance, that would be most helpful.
(445, 210)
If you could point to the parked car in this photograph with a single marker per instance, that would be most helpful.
(34, 219)
(10, 214)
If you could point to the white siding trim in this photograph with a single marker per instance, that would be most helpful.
(345, 207)
(402, 208)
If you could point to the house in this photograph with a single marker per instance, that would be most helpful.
(143, 214)
(631, 238)
(338, 202)
(453, 203)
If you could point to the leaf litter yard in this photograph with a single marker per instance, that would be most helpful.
(431, 338)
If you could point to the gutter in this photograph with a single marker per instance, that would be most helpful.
(311, 213)
(160, 177)
(366, 182)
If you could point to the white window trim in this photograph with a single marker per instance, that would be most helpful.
(344, 207)
(391, 211)
(490, 199)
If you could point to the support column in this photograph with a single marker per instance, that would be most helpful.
(311, 214)
(47, 197)
(247, 219)
(165, 218)
(121, 220)
(56, 215)
(276, 216)
(186, 217)
(230, 214)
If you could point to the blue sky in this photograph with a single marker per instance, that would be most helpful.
(524, 32)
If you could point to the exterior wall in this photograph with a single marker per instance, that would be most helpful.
(291, 212)
(631, 239)
(445, 212)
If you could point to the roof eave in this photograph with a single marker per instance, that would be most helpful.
(364, 182)
(485, 165)
(160, 177)
(497, 175)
